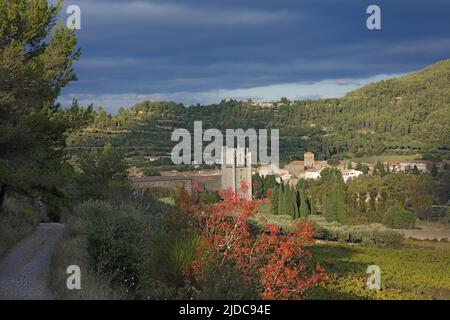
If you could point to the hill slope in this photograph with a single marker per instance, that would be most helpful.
(407, 114)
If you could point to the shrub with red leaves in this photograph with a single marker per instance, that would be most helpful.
(273, 262)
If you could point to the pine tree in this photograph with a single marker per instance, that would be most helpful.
(35, 64)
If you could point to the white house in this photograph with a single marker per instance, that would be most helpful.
(350, 174)
(283, 176)
(405, 166)
(312, 175)
(268, 170)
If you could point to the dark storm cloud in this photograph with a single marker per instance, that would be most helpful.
(188, 48)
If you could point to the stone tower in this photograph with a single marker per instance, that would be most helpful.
(309, 159)
(237, 169)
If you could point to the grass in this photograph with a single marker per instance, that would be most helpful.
(71, 250)
(418, 270)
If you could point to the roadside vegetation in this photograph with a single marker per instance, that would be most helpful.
(14, 226)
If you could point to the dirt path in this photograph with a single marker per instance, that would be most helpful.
(426, 234)
(428, 231)
(24, 270)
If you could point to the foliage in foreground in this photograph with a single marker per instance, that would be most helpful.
(35, 64)
(276, 265)
(72, 250)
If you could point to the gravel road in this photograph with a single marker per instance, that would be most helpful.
(428, 231)
(426, 234)
(24, 270)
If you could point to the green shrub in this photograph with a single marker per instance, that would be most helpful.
(167, 255)
(14, 226)
(160, 192)
(399, 218)
(209, 197)
(365, 234)
(71, 249)
(224, 283)
(115, 240)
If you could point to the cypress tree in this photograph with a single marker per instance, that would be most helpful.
(379, 169)
(295, 198)
(289, 202)
(362, 201)
(328, 206)
(312, 205)
(341, 214)
(274, 201)
(281, 200)
(303, 205)
(284, 208)
(271, 183)
(434, 170)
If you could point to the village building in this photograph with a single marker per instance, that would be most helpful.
(309, 160)
(409, 165)
(406, 166)
(207, 180)
(237, 171)
(350, 174)
(268, 170)
(296, 168)
(283, 176)
(312, 175)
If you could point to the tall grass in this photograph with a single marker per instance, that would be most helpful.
(72, 250)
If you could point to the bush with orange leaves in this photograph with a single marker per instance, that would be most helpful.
(272, 262)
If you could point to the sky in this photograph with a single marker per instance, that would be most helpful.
(204, 51)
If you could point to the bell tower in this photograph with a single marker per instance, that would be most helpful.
(237, 169)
